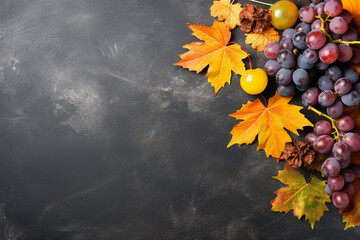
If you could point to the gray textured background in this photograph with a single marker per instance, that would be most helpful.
(102, 138)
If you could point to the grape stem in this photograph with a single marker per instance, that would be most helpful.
(267, 4)
(322, 28)
(250, 62)
(336, 133)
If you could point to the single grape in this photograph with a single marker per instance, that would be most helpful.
(301, 77)
(310, 97)
(333, 8)
(353, 141)
(350, 35)
(272, 67)
(323, 144)
(345, 164)
(338, 25)
(284, 14)
(307, 14)
(310, 56)
(303, 27)
(336, 183)
(345, 123)
(310, 137)
(331, 167)
(287, 90)
(333, 73)
(357, 87)
(356, 169)
(348, 175)
(342, 86)
(352, 75)
(340, 199)
(319, 9)
(271, 50)
(302, 88)
(303, 62)
(326, 98)
(335, 110)
(341, 151)
(322, 128)
(355, 59)
(286, 58)
(348, 188)
(254, 81)
(316, 25)
(287, 43)
(346, 15)
(328, 190)
(328, 53)
(325, 83)
(284, 76)
(288, 33)
(299, 40)
(321, 65)
(351, 99)
(345, 52)
(315, 39)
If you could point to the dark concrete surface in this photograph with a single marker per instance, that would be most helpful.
(102, 138)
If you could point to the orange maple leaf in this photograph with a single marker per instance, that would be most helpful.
(215, 52)
(225, 10)
(260, 40)
(305, 198)
(351, 215)
(269, 123)
(354, 8)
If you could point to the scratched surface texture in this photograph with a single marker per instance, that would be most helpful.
(102, 138)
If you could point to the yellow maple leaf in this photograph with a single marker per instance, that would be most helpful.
(258, 41)
(354, 8)
(351, 215)
(215, 52)
(268, 122)
(226, 10)
(304, 198)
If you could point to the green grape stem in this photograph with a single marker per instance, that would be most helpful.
(322, 28)
(336, 133)
(267, 4)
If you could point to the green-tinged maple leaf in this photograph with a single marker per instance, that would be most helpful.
(304, 198)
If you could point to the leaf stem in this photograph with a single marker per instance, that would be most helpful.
(266, 103)
(268, 4)
(336, 133)
(322, 28)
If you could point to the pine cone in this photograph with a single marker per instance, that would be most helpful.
(254, 19)
(295, 153)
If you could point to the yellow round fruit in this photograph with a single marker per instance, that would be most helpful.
(284, 14)
(254, 81)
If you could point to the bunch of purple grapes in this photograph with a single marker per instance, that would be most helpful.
(337, 167)
(305, 50)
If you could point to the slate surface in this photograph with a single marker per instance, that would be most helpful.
(102, 138)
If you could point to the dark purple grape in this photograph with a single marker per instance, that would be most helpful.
(341, 151)
(336, 183)
(345, 123)
(333, 73)
(353, 141)
(335, 110)
(348, 188)
(326, 98)
(333, 8)
(338, 25)
(323, 144)
(271, 50)
(348, 175)
(310, 137)
(284, 76)
(316, 25)
(301, 77)
(299, 40)
(322, 128)
(352, 75)
(321, 65)
(325, 84)
(357, 87)
(286, 58)
(356, 169)
(340, 199)
(331, 167)
(286, 43)
(345, 164)
(350, 35)
(287, 90)
(288, 33)
(345, 53)
(307, 14)
(319, 9)
(355, 59)
(342, 86)
(303, 27)
(351, 99)
(310, 97)
(272, 67)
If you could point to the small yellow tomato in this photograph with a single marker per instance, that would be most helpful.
(254, 81)
(284, 14)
